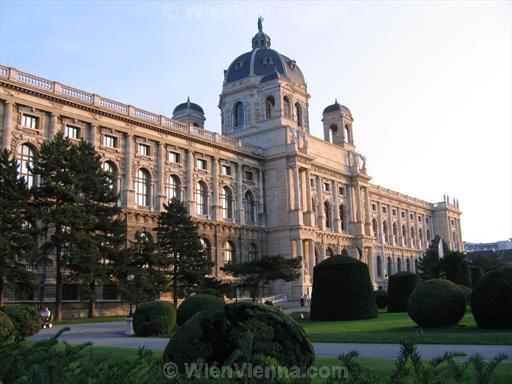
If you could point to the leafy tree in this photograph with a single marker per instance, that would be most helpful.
(429, 264)
(179, 241)
(257, 274)
(16, 242)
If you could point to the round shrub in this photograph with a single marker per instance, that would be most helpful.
(381, 298)
(342, 290)
(154, 318)
(7, 330)
(466, 292)
(476, 274)
(491, 301)
(25, 319)
(436, 303)
(212, 337)
(198, 303)
(400, 287)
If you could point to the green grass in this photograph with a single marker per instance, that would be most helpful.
(391, 327)
(79, 320)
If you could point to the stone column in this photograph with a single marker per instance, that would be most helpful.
(337, 221)
(239, 191)
(358, 203)
(6, 138)
(309, 208)
(54, 119)
(92, 134)
(161, 197)
(399, 229)
(189, 201)
(300, 252)
(381, 224)
(368, 222)
(408, 229)
(296, 187)
(350, 209)
(320, 218)
(215, 195)
(312, 261)
(128, 182)
(261, 200)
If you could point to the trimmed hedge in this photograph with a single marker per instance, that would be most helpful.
(436, 303)
(400, 287)
(7, 330)
(381, 298)
(154, 318)
(342, 290)
(476, 273)
(212, 337)
(491, 302)
(25, 319)
(198, 303)
(466, 292)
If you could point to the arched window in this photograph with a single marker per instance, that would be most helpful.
(348, 139)
(238, 115)
(228, 251)
(270, 105)
(286, 107)
(379, 266)
(111, 170)
(142, 188)
(329, 252)
(342, 217)
(334, 132)
(412, 236)
(399, 265)
(374, 228)
(201, 198)
(205, 244)
(390, 266)
(327, 212)
(404, 235)
(408, 264)
(253, 252)
(26, 157)
(395, 234)
(420, 238)
(250, 210)
(172, 187)
(226, 201)
(298, 114)
(385, 231)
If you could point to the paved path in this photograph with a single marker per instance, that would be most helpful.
(112, 335)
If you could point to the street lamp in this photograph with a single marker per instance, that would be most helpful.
(129, 319)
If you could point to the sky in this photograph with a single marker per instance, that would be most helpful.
(429, 83)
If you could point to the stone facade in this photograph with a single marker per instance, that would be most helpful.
(263, 187)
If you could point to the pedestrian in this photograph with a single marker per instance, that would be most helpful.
(302, 299)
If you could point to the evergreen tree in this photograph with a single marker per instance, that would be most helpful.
(455, 268)
(429, 264)
(179, 241)
(16, 240)
(257, 274)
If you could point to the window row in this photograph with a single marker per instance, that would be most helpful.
(389, 266)
(270, 108)
(405, 238)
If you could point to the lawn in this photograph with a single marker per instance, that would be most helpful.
(79, 320)
(391, 327)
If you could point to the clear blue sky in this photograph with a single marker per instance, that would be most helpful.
(429, 83)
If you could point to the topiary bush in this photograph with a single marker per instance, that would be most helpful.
(213, 337)
(154, 318)
(198, 303)
(7, 330)
(476, 274)
(381, 298)
(342, 290)
(400, 287)
(436, 303)
(491, 301)
(466, 292)
(25, 319)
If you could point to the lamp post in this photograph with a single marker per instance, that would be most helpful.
(129, 319)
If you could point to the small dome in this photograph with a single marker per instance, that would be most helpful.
(188, 105)
(336, 107)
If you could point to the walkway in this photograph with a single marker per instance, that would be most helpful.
(112, 335)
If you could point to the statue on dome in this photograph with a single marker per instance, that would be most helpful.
(260, 23)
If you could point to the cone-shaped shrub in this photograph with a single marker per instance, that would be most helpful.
(400, 287)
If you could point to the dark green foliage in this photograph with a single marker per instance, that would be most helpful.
(381, 298)
(429, 264)
(400, 287)
(212, 337)
(488, 260)
(179, 241)
(257, 274)
(198, 303)
(456, 268)
(342, 290)
(154, 318)
(17, 243)
(467, 293)
(436, 303)
(25, 319)
(491, 302)
(7, 330)
(476, 274)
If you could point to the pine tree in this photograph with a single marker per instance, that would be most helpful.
(16, 241)
(179, 241)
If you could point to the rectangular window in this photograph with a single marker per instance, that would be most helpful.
(249, 176)
(394, 212)
(143, 149)
(29, 121)
(327, 187)
(173, 157)
(72, 132)
(403, 215)
(201, 164)
(411, 216)
(109, 141)
(312, 183)
(384, 210)
(419, 218)
(226, 170)
(374, 207)
(341, 191)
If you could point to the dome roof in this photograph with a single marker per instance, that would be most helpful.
(188, 105)
(336, 107)
(263, 61)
